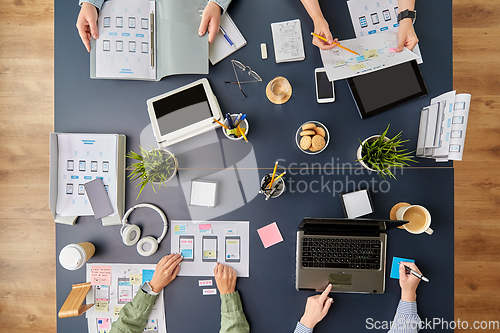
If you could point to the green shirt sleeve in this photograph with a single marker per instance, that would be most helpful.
(232, 319)
(134, 315)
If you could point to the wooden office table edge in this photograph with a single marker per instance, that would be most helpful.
(26, 37)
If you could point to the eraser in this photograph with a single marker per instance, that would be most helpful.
(263, 50)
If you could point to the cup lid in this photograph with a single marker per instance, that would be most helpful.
(70, 258)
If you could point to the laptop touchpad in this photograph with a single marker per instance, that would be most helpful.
(340, 280)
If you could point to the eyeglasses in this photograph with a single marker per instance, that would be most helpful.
(243, 68)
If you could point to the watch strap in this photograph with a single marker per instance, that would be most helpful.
(407, 14)
(146, 287)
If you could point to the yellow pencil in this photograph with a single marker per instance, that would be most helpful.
(242, 133)
(342, 47)
(218, 122)
(278, 178)
(274, 173)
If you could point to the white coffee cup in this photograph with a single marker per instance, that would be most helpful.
(419, 219)
(74, 256)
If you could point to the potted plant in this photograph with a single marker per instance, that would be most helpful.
(156, 166)
(379, 153)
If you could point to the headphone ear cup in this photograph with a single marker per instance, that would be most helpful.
(147, 240)
(131, 234)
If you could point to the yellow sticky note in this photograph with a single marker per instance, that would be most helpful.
(135, 278)
(117, 310)
(101, 306)
(370, 54)
(357, 67)
(209, 254)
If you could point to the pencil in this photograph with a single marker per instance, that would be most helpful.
(278, 178)
(274, 173)
(242, 133)
(218, 122)
(342, 47)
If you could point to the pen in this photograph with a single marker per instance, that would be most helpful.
(152, 48)
(420, 276)
(218, 122)
(241, 119)
(226, 37)
(229, 121)
(237, 120)
(342, 47)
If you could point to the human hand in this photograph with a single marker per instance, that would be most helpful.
(406, 35)
(166, 271)
(317, 307)
(211, 20)
(87, 24)
(408, 282)
(225, 278)
(321, 28)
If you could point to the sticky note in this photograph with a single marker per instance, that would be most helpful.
(270, 235)
(202, 283)
(357, 67)
(117, 309)
(395, 266)
(101, 306)
(101, 275)
(393, 50)
(147, 275)
(205, 228)
(180, 230)
(370, 54)
(135, 278)
(209, 291)
(103, 323)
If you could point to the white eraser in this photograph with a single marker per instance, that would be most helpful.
(209, 292)
(263, 50)
(202, 283)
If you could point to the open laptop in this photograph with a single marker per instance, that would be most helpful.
(348, 253)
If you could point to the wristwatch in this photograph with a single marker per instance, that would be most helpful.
(407, 14)
(146, 287)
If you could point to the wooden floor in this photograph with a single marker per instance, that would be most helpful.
(27, 242)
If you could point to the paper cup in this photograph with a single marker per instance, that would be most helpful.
(74, 256)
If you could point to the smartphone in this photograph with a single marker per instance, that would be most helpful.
(375, 19)
(209, 244)
(324, 88)
(99, 199)
(232, 248)
(387, 15)
(186, 247)
(362, 22)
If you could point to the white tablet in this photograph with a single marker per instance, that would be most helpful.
(183, 113)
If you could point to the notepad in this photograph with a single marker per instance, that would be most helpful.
(220, 48)
(287, 41)
(270, 235)
(395, 266)
(203, 193)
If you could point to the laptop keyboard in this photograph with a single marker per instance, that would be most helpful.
(341, 253)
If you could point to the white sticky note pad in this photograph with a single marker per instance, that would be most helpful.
(203, 193)
(209, 291)
(357, 204)
(203, 283)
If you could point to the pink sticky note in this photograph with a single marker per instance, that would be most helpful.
(103, 323)
(393, 50)
(205, 226)
(270, 235)
(101, 276)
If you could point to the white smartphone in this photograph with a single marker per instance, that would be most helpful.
(325, 92)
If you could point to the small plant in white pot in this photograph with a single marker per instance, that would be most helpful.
(156, 166)
(379, 153)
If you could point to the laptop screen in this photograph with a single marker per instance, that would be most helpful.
(341, 226)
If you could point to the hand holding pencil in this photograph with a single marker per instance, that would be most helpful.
(322, 29)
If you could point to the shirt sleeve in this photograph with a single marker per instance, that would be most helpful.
(302, 329)
(134, 315)
(223, 4)
(96, 3)
(406, 319)
(232, 319)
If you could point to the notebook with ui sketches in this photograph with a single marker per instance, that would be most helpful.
(348, 253)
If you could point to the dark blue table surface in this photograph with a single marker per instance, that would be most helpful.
(269, 298)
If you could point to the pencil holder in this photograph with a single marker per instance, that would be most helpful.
(276, 189)
(233, 133)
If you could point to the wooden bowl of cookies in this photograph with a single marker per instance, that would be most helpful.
(312, 137)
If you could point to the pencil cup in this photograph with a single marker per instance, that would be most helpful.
(276, 189)
(233, 133)
(74, 256)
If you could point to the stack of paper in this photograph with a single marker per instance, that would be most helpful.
(287, 41)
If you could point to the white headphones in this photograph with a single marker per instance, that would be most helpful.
(131, 233)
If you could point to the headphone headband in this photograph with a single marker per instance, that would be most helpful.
(157, 209)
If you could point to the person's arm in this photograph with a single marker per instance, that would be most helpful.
(87, 21)
(232, 319)
(317, 307)
(210, 20)
(406, 319)
(320, 25)
(134, 315)
(406, 33)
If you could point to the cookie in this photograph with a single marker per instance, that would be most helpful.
(318, 142)
(312, 149)
(305, 142)
(307, 132)
(320, 131)
(308, 126)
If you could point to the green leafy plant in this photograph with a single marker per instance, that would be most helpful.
(381, 154)
(155, 166)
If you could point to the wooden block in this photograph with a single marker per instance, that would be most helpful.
(73, 307)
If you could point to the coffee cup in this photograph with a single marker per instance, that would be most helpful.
(419, 219)
(74, 256)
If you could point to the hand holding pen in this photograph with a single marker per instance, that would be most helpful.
(409, 281)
